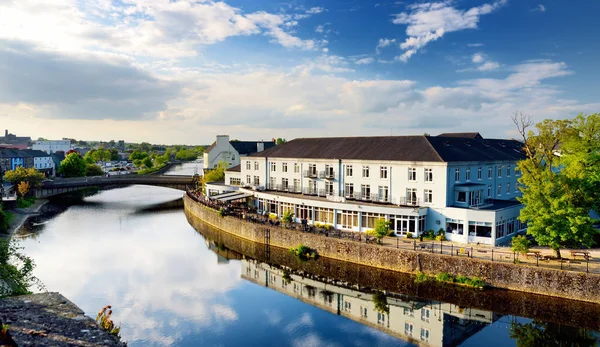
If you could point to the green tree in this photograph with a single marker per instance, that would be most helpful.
(147, 162)
(72, 166)
(16, 277)
(520, 244)
(137, 155)
(186, 154)
(380, 302)
(3, 221)
(114, 154)
(280, 141)
(215, 175)
(536, 334)
(93, 170)
(560, 180)
(21, 174)
(89, 156)
(382, 229)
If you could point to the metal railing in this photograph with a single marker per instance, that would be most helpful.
(408, 201)
(310, 173)
(327, 174)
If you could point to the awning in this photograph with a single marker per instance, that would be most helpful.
(223, 195)
(235, 197)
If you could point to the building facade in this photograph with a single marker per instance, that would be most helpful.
(465, 187)
(231, 151)
(52, 146)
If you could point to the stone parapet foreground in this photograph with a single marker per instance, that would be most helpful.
(49, 319)
(545, 281)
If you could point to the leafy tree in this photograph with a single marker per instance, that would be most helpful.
(560, 179)
(186, 154)
(215, 175)
(380, 301)
(137, 155)
(17, 277)
(93, 170)
(382, 229)
(114, 154)
(147, 162)
(280, 141)
(90, 156)
(520, 244)
(3, 221)
(72, 166)
(145, 147)
(21, 174)
(23, 188)
(550, 335)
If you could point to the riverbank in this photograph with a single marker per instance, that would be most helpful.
(21, 215)
(545, 281)
(50, 319)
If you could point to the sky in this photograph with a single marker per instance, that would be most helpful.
(182, 72)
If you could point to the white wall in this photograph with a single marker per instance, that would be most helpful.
(52, 146)
(223, 151)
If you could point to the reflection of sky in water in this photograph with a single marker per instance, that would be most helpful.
(166, 286)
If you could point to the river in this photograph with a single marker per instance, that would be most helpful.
(170, 284)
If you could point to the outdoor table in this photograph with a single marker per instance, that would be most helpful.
(584, 254)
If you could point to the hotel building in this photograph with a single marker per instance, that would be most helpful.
(460, 183)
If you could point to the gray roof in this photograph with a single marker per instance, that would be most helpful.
(471, 135)
(237, 168)
(244, 147)
(398, 148)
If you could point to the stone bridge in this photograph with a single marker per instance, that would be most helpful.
(65, 185)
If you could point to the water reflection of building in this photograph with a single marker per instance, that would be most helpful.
(427, 323)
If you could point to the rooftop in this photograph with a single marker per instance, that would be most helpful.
(399, 148)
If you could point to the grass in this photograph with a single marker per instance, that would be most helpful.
(151, 170)
(444, 277)
(9, 217)
(25, 202)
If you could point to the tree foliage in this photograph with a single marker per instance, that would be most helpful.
(186, 154)
(520, 244)
(280, 141)
(536, 334)
(73, 166)
(215, 175)
(382, 229)
(93, 170)
(137, 155)
(380, 302)
(23, 188)
(560, 179)
(147, 162)
(16, 270)
(21, 174)
(3, 221)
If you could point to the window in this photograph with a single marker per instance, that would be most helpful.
(363, 311)
(412, 174)
(468, 174)
(409, 312)
(365, 191)
(347, 219)
(424, 334)
(456, 175)
(349, 190)
(273, 166)
(425, 314)
(383, 194)
(329, 173)
(256, 180)
(329, 188)
(324, 215)
(283, 167)
(516, 187)
(479, 173)
(347, 306)
(233, 181)
(508, 171)
(248, 179)
(499, 190)
(383, 172)
(248, 165)
(365, 172)
(489, 172)
(271, 182)
(296, 168)
(284, 183)
(499, 171)
(428, 196)
(255, 165)
(508, 188)
(380, 318)
(408, 329)
(461, 197)
(348, 170)
(411, 195)
(517, 171)
(489, 191)
(296, 185)
(428, 175)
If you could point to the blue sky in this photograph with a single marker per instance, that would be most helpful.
(183, 71)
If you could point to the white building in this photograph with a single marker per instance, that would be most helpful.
(52, 146)
(42, 161)
(466, 186)
(231, 151)
(423, 323)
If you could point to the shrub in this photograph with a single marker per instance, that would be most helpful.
(477, 282)
(103, 319)
(409, 235)
(222, 212)
(304, 252)
(520, 244)
(288, 217)
(444, 277)
(382, 228)
(440, 237)
(421, 278)
(441, 232)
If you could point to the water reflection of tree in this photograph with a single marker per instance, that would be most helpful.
(380, 301)
(536, 334)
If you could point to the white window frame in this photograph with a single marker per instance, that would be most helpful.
(248, 165)
(349, 171)
(499, 171)
(256, 165)
(479, 170)
(428, 196)
(296, 168)
(499, 192)
(468, 174)
(428, 173)
(273, 166)
(383, 172)
(457, 175)
(490, 175)
(365, 171)
(412, 174)
(284, 167)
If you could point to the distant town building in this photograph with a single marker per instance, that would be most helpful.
(121, 146)
(461, 184)
(13, 141)
(10, 159)
(42, 161)
(231, 151)
(52, 146)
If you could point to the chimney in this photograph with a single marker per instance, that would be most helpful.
(5, 132)
(222, 140)
(260, 146)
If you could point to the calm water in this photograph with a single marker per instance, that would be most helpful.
(169, 285)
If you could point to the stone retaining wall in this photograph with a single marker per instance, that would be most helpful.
(560, 283)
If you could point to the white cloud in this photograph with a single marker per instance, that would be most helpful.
(319, 29)
(474, 44)
(478, 58)
(482, 63)
(383, 43)
(427, 22)
(539, 8)
(488, 66)
(315, 10)
(368, 60)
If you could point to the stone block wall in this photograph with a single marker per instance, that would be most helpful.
(565, 284)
